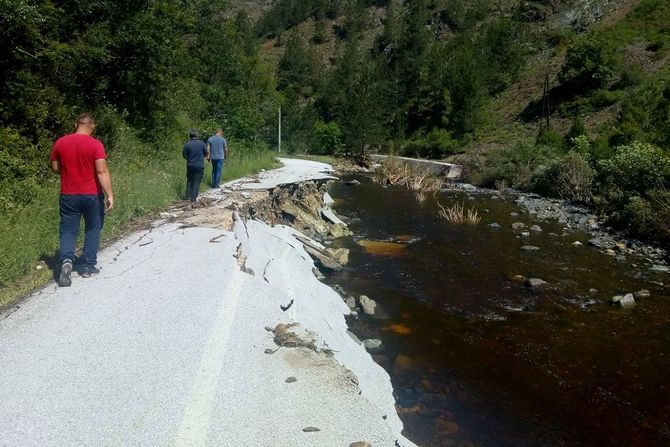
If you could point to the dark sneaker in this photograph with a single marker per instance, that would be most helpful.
(65, 271)
(89, 271)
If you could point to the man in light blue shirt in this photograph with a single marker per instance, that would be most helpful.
(217, 146)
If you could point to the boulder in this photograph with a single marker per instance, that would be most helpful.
(341, 255)
(536, 229)
(644, 293)
(368, 305)
(627, 301)
(535, 283)
(373, 345)
(351, 302)
(659, 268)
(518, 226)
(331, 217)
(323, 259)
(338, 230)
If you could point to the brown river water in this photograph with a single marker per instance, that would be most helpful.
(478, 359)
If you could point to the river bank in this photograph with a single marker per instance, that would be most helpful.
(218, 318)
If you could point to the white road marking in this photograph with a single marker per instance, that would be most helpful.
(196, 421)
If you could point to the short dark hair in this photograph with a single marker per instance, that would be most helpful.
(86, 118)
(193, 133)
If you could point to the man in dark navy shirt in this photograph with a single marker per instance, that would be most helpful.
(195, 152)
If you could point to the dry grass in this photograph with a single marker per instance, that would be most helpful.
(420, 196)
(458, 214)
(396, 172)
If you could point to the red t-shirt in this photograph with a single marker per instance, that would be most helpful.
(77, 154)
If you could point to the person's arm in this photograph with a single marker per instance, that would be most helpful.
(207, 149)
(184, 153)
(225, 149)
(105, 180)
(55, 166)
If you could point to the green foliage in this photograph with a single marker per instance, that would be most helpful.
(569, 177)
(590, 63)
(550, 137)
(437, 144)
(328, 138)
(635, 168)
(516, 167)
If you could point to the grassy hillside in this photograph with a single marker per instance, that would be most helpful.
(464, 80)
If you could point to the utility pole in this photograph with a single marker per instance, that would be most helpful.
(279, 139)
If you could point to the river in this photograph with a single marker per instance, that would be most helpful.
(477, 358)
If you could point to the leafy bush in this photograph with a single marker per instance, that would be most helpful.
(635, 168)
(437, 144)
(516, 167)
(569, 177)
(648, 217)
(328, 138)
(590, 63)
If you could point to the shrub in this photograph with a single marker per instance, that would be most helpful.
(648, 217)
(635, 168)
(437, 144)
(569, 177)
(328, 137)
(589, 64)
(517, 166)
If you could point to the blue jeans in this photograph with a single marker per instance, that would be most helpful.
(217, 167)
(72, 209)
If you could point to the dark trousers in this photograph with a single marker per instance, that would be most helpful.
(72, 209)
(193, 180)
(217, 166)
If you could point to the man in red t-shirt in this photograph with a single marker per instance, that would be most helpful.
(81, 162)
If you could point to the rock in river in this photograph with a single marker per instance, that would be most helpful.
(530, 248)
(494, 225)
(660, 268)
(625, 301)
(536, 229)
(534, 283)
(518, 226)
(373, 345)
(368, 305)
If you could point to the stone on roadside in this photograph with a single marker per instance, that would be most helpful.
(368, 305)
(536, 229)
(530, 248)
(373, 345)
(534, 283)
